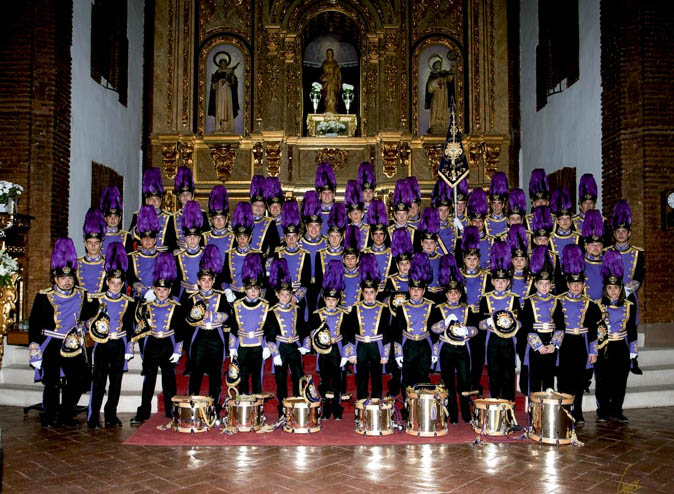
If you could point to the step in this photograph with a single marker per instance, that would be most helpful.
(639, 397)
(656, 356)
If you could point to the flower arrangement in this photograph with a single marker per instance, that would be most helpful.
(347, 88)
(8, 266)
(8, 191)
(330, 127)
(316, 87)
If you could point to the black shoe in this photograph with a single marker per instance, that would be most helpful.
(635, 367)
(621, 418)
(580, 421)
(49, 421)
(602, 419)
(92, 426)
(453, 420)
(326, 413)
(136, 421)
(112, 423)
(69, 422)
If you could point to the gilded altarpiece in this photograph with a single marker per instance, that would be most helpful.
(394, 54)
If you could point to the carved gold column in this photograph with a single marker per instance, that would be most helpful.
(169, 159)
(389, 156)
(224, 157)
(8, 299)
(273, 152)
(434, 154)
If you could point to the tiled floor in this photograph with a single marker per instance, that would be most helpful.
(72, 461)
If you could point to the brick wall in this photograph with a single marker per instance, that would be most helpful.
(637, 63)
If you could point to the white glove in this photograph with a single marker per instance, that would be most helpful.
(150, 296)
(450, 319)
(399, 361)
(233, 353)
(633, 355)
(434, 360)
(266, 353)
(518, 364)
(462, 331)
(37, 364)
(229, 295)
(303, 351)
(128, 356)
(277, 361)
(174, 358)
(628, 290)
(458, 225)
(343, 362)
(490, 322)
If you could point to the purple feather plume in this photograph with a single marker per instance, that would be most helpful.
(242, 219)
(538, 185)
(402, 195)
(573, 262)
(290, 217)
(376, 216)
(333, 280)
(368, 271)
(470, 242)
(500, 258)
(279, 274)
(111, 201)
(401, 244)
(218, 201)
(366, 176)
(429, 225)
(147, 220)
(352, 240)
(477, 204)
(622, 215)
(152, 182)
(63, 256)
(540, 260)
(311, 207)
(421, 273)
(441, 195)
(612, 269)
(517, 203)
(337, 219)
(272, 190)
(252, 271)
(498, 188)
(461, 191)
(353, 196)
(257, 188)
(449, 271)
(193, 218)
(593, 226)
(541, 222)
(116, 258)
(560, 202)
(518, 240)
(165, 270)
(94, 224)
(184, 181)
(415, 190)
(210, 260)
(587, 188)
(325, 177)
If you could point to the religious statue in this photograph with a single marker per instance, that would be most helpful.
(439, 93)
(331, 79)
(223, 101)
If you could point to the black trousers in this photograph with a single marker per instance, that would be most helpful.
(206, 358)
(612, 369)
(250, 367)
(55, 403)
(108, 363)
(572, 363)
(542, 367)
(477, 344)
(501, 367)
(156, 355)
(455, 365)
(368, 365)
(416, 363)
(396, 374)
(291, 359)
(331, 381)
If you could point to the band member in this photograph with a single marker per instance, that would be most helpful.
(581, 316)
(518, 240)
(264, 237)
(184, 191)
(441, 200)
(109, 329)
(312, 240)
(461, 192)
(367, 327)
(378, 227)
(189, 257)
(541, 232)
(91, 266)
(427, 233)
(329, 347)
(564, 233)
(326, 184)
(500, 316)
(587, 199)
(496, 224)
(112, 208)
(353, 200)
(542, 325)
(335, 242)
(368, 183)
(247, 341)
(286, 333)
(539, 191)
(56, 340)
(402, 202)
(351, 257)
(153, 195)
(517, 208)
(140, 276)
(457, 326)
(206, 311)
(232, 271)
(161, 326)
(616, 341)
(477, 212)
(273, 196)
(593, 243)
(218, 209)
(415, 209)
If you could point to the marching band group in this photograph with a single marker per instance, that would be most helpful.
(472, 280)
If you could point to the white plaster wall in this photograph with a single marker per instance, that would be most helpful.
(102, 129)
(567, 130)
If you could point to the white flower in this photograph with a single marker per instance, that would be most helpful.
(316, 86)
(347, 87)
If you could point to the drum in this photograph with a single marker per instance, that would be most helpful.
(374, 417)
(551, 419)
(245, 413)
(301, 417)
(493, 417)
(192, 413)
(427, 410)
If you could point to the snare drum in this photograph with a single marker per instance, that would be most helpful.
(493, 417)
(245, 413)
(192, 413)
(301, 417)
(551, 419)
(427, 411)
(374, 417)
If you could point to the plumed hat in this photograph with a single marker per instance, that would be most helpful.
(498, 188)
(593, 227)
(352, 240)
(368, 271)
(517, 203)
(63, 258)
(337, 219)
(311, 207)
(273, 193)
(500, 261)
(461, 191)
(376, 216)
(470, 242)
(193, 218)
(94, 224)
(477, 204)
(353, 196)
(401, 245)
(165, 270)
(429, 225)
(252, 272)
(421, 273)
(290, 217)
(147, 222)
(560, 202)
(257, 188)
(540, 264)
(279, 275)
(414, 188)
(541, 222)
(450, 276)
(218, 201)
(242, 219)
(587, 188)
(518, 240)
(333, 279)
(573, 263)
(402, 196)
(366, 176)
(184, 181)
(152, 183)
(441, 195)
(211, 262)
(116, 261)
(111, 201)
(612, 269)
(538, 185)
(325, 178)
(622, 215)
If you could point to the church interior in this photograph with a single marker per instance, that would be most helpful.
(93, 93)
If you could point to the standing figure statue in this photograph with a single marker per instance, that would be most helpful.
(223, 101)
(439, 92)
(331, 79)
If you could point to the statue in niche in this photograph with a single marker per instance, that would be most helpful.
(331, 80)
(439, 93)
(223, 100)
